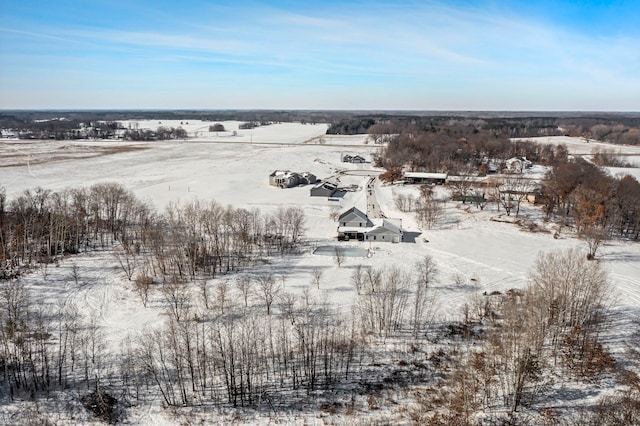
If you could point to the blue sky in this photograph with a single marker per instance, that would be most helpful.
(409, 55)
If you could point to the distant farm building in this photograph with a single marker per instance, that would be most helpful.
(353, 224)
(517, 164)
(477, 198)
(526, 190)
(288, 179)
(353, 159)
(420, 177)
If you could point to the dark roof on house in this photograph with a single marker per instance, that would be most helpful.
(354, 211)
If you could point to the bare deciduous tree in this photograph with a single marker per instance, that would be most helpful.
(357, 277)
(268, 289)
(512, 192)
(426, 271)
(222, 295)
(316, 277)
(338, 256)
(594, 236)
(127, 259)
(245, 285)
(177, 298)
(429, 211)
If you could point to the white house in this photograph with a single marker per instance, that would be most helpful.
(353, 224)
(517, 164)
(389, 231)
(354, 218)
(289, 179)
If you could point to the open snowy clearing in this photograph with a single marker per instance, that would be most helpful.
(474, 253)
(580, 146)
(586, 147)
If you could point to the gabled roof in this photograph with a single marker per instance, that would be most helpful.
(353, 212)
(283, 173)
(327, 187)
(393, 226)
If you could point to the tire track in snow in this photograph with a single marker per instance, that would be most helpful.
(453, 297)
(628, 288)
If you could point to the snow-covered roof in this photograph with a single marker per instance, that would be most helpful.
(466, 178)
(386, 225)
(283, 173)
(353, 229)
(375, 226)
(524, 187)
(394, 225)
(327, 185)
(424, 175)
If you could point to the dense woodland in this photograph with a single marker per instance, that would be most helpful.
(459, 149)
(580, 194)
(612, 128)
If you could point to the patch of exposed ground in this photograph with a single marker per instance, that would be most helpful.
(11, 157)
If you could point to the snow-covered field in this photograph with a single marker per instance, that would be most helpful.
(474, 253)
(585, 147)
(582, 145)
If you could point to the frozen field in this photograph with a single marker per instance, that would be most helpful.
(581, 145)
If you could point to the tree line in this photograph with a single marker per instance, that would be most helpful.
(40, 226)
(614, 128)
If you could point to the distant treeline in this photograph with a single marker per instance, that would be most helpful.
(18, 119)
(613, 128)
(71, 129)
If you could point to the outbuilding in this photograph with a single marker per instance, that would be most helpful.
(421, 177)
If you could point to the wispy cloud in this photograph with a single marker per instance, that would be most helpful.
(410, 49)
